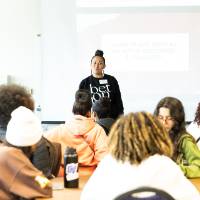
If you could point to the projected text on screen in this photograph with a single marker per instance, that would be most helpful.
(148, 52)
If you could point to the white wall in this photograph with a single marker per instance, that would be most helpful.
(20, 50)
(61, 75)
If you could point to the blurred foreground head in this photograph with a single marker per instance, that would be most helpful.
(136, 136)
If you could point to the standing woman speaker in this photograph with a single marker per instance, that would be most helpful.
(103, 85)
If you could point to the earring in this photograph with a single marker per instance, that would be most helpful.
(103, 72)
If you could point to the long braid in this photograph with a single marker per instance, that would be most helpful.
(158, 137)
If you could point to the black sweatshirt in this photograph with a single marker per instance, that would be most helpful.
(101, 87)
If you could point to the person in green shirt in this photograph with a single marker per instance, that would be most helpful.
(170, 112)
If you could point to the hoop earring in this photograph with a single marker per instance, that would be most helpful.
(103, 72)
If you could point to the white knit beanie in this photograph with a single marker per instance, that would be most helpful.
(24, 128)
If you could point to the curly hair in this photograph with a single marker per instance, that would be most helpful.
(197, 115)
(136, 136)
(11, 97)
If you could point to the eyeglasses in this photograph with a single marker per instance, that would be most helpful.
(167, 118)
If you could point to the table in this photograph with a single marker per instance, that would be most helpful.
(84, 174)
(72, 193)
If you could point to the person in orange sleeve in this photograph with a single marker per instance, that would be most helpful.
(82, 133)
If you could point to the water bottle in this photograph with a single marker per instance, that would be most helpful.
(71, 176)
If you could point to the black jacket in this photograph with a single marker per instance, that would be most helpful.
(106, 123)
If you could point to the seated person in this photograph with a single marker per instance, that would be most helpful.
(11, 97)
(18, 177)
(194, 127)
(82, 133)
(170, 113)
(139, 155)
(101, 113)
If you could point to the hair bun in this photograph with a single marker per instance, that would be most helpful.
(99, 53)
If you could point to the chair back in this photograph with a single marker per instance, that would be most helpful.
(139, 194)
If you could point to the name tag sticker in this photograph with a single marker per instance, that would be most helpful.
(103, 81)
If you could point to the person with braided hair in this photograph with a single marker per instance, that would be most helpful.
(139, 155)
(170, 112)
(194, 127)
(103, 85)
